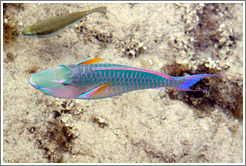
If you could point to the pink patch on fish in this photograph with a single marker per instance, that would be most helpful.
(60, 81)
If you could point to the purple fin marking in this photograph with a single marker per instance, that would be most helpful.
(191, 80)
(135, 69)
(93, 91)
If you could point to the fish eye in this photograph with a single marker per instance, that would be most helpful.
(65, 83)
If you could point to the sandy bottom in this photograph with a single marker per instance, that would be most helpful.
(144, 126)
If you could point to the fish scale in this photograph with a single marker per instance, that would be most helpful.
(137, 81)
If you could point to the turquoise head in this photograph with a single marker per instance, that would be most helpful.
(54, 82)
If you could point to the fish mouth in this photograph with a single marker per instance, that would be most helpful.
(35, 86)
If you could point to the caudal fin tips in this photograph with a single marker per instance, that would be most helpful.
(188, 81)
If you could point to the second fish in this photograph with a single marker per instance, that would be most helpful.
(55, 25)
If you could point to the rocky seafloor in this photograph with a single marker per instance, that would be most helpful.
(146, 126)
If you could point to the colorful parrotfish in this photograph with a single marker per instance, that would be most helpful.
(86, 80)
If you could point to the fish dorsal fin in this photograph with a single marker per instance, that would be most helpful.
(92, 92)
(90, 61)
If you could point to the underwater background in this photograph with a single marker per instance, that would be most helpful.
(145, 126)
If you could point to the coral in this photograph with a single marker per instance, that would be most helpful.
(59, 132)
(9, 57)
(10, 31)
(132, 48)
(219, 91)
(89, 34)
(32, 68)
(206, 32)
(62, 131)
(132, 44)
(100, 120)
(58, 137)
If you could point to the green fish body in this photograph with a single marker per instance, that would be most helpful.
(86, 80)
(57, 24)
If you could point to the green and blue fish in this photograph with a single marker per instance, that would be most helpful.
(57, 24)
(87, 80)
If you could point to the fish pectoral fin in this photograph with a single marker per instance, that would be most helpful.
(93, 92)
(90, 61)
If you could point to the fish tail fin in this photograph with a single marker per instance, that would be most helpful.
(188, 81)
(101, 9)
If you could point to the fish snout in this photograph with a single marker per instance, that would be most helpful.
(31, 82)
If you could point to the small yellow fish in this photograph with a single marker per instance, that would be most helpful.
(54, 25)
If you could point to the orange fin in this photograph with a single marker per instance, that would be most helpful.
(92, 92)
(90, 61)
